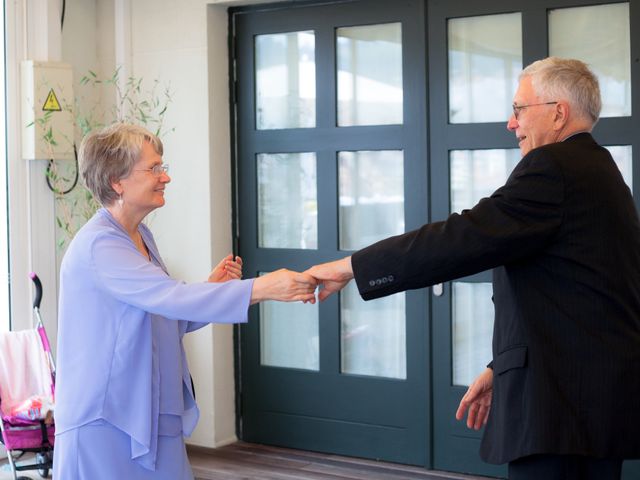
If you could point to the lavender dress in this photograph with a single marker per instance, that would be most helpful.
(123, 391)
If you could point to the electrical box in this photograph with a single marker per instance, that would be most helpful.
(47, 110)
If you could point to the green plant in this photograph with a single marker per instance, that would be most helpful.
(132, 102)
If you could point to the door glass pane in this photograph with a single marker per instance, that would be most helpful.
(622, 156)
(599, 36)
(289, 335)
(372, 335)
(285, 80)
(472, 330)
(476, 174)
(369, 61)
(287, 200)
(483, 67)
(371, 196)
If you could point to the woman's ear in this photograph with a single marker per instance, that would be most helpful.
(117, 187)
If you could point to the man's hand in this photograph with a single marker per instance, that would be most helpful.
(227, 269)
(333, 276)
(477, 400)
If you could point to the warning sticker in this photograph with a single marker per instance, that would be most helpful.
(51, 104)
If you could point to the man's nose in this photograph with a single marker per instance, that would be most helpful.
(512, 124)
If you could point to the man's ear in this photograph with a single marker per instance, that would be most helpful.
(561, 115)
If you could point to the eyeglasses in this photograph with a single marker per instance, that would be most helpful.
(156, 170)
(517, 108)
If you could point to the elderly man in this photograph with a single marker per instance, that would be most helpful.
(560, 397)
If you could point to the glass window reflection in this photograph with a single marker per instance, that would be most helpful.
(483, 67)
(476, 174)
(371, 196)
(285, 80)
(373, 335)
(287, 200)
(369, 63)
(472, 330)
(598, 35)
(289, 335)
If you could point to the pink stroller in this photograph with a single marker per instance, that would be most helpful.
(27, 388)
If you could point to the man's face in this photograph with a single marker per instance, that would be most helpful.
(534, 126)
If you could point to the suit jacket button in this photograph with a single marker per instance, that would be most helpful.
(391, 278)
(378, 282)
(385, 279)
(372, 283)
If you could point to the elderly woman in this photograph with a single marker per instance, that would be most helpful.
(124, 399)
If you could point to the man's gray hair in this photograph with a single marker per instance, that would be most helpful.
(109, 155)
(567, 79)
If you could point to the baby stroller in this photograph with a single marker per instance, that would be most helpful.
(27, 388)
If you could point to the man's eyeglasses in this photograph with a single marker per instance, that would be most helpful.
(517, 108)
(156, 170)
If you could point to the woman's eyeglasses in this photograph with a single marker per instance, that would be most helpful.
(156, 170)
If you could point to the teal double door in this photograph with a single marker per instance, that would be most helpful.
(358, 120)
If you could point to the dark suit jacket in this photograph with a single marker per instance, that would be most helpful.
(564, 238)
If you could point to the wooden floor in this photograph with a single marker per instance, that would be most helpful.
(246, 461)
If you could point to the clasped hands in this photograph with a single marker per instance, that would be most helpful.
(286, 285)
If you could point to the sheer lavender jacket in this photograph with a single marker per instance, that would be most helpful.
(107, 353)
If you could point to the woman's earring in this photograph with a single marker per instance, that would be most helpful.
(120, 201)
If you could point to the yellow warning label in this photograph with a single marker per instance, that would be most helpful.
(51, 104)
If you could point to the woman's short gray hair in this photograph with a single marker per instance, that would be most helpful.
(109, 154)
(567, 79)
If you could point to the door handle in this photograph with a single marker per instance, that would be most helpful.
(438, 289)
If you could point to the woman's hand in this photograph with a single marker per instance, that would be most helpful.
(285, 286)
(227, 269)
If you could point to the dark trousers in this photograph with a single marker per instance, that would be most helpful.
(564, 467)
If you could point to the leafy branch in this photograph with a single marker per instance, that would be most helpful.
(134, 103)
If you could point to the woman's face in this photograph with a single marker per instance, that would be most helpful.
(143, 190)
